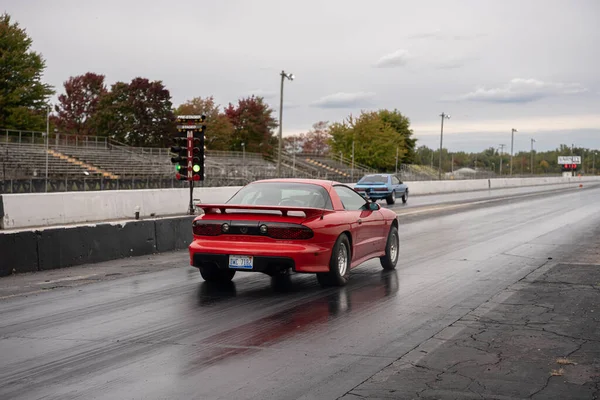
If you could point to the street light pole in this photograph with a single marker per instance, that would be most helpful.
(283, 77)
(444, 116)
(396, 160)
(594, 163)
(512, 142)
(501, 156)
(47, 143)
(352, 171)
(532, 142)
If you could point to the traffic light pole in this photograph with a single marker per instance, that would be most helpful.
(191, 209)
(190, 159)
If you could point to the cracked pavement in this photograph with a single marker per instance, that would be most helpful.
(537, 339)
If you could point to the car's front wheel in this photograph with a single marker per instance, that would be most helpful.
(213, 274)
(339, 264)
(392, 250)
(405, 196)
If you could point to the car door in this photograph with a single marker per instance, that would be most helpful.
(366, 225)
(397, 185)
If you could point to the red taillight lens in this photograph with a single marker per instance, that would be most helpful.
(381, 189)
(290, 233)
(200, 229)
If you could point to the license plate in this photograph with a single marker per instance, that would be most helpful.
(241, 262)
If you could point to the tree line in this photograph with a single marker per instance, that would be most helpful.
(492, 159)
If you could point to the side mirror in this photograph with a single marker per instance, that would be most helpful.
(374, 206)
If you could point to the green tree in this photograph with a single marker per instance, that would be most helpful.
(138, 114)
(401, 125)
(23, 95)
(375, 141)
(219, 130)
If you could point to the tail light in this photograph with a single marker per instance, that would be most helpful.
(289, 233)
(206, 229)
(281, 231)
(381, 189)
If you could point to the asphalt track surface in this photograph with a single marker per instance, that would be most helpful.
(162, 333)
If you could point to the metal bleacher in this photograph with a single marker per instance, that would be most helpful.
(75, 161)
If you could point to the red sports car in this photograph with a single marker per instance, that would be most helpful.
(306, 225)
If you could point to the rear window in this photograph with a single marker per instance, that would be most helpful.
(374, 179)
(283, 194)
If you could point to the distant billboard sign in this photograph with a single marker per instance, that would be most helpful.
(569, 160)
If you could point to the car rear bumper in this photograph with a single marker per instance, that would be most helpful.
(268, 257)
(374, 194)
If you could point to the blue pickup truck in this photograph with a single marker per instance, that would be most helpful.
(382, 186)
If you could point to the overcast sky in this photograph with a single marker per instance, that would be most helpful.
(492, 65)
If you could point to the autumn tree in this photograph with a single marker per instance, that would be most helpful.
(294, 143)
(316, 141)
(137, 113)
(23, 95)
(375, 141)
(219, 130)
(78, 106)
(253, 125)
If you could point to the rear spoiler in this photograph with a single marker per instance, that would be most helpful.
(284, 210)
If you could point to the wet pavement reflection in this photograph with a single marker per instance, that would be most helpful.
(364, 292)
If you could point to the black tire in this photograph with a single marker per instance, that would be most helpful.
(389, 261)
(405, 197)
(212, 274)
(391, 199)
(341, 254)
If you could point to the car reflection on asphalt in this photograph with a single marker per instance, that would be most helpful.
(311, 315)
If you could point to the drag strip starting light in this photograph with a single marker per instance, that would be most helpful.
(190, 156)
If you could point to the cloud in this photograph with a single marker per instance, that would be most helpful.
(396, 59)
(532, 123)
(345, 100)
(520, 90)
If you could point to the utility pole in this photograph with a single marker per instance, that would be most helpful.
(512, 142)
(501, 155)
(452, 163)
(352, 171)
(47, 143)
(444, 116)
(396, 160)
(532, 142)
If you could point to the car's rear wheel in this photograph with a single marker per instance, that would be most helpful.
(214, 274)
(392, 250)
(339, 264)
(405, 197)
(391, 199)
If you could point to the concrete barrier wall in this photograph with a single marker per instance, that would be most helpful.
(60, 247)
(47, 209)
(41, 209)
(439, 187)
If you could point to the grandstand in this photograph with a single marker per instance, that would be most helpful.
(92, 163)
